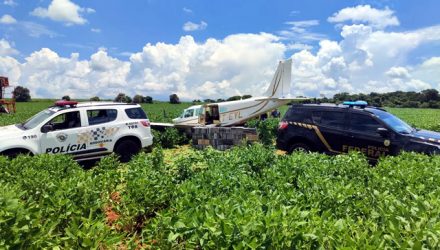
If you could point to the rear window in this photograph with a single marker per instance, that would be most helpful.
(99, 116)
(136, 113)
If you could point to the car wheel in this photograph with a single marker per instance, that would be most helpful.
(300, 147)
(13, 153)
(126, 149)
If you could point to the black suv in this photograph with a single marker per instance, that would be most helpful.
(353, 126)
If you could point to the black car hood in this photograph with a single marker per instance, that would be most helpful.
(428, 136)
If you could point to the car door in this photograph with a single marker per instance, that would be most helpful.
(331, 129)
(62, 138)
(364, 136)
(101, 129)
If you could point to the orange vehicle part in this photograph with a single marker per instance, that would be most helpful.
(8, 103)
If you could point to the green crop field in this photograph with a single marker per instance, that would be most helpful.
(250, 197)
(165, 112)
(158, 112)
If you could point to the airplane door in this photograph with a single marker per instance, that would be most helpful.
(202, 119)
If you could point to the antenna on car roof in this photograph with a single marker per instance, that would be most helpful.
(360, 104)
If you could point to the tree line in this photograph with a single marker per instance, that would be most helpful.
(428, 98)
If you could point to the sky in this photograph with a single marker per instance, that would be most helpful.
(219, 48)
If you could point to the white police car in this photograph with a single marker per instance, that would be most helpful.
(84, 130)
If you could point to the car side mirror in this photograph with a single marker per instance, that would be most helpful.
(383, 132)
(47, 128)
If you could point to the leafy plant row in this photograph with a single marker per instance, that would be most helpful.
(247, 197)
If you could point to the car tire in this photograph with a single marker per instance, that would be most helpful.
(300, 147)
(127, 149)
(14, 153)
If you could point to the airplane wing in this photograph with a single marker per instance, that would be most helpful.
(282, 98)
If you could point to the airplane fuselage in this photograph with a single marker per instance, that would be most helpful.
(229, 113)
(238, 112)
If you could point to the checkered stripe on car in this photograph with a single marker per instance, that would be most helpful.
(96, 134)
(84, 137)
(110, 131)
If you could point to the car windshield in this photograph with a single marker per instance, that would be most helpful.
(394, 122)
(38, 119)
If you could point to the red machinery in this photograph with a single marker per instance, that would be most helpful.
(6, 106)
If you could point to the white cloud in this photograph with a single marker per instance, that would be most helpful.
(36, 30)
(365, 14)
(299, 31)
(298, 46)
(29, 28)
(187, 10)
(95, 30)
(6, 48)
(7, 19)
(89, 10)
(9, 2)
(63, 11)
(366, 60)
(45, 73)
(241, 63)
(125, 53)
(305, 23)
(190, 26)
(428, 71)
(10, 67)
(398, 72)
(238, 64)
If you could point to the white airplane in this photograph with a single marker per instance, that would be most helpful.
(238, 112)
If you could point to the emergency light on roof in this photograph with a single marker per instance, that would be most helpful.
(63, 103)
(361, 104)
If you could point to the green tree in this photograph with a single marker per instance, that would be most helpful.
(430, 95)
(174, 99)
(21, 94)
(148, 99)
(121, 97)
(246, 97)
(340, 97)
(138, 99)
(234, 98)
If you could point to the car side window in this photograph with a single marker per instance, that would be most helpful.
(329, 119)
(363, 124)
(66, 121)
(300, 115)
(99, 116)
(136, 113)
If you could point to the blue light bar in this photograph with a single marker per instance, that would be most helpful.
(361, 104)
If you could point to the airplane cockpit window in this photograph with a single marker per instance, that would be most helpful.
(188, 113)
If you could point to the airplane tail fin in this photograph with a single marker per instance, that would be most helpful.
(280, 85)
